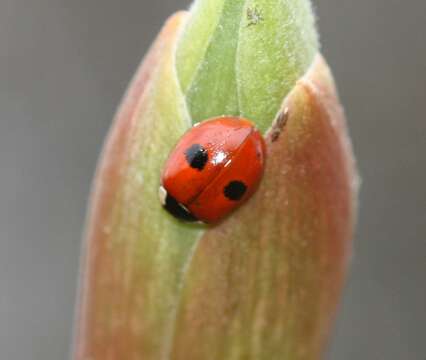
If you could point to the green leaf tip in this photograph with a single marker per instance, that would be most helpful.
(242, 57)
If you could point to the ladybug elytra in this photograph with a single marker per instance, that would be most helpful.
(214, 168)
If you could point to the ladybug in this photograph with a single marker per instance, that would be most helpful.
(214, 168)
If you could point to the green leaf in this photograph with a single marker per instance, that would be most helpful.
(248, 53)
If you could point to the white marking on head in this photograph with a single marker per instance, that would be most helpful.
(162, 194)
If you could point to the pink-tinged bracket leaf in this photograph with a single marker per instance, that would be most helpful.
(265, 283)
(134, 252)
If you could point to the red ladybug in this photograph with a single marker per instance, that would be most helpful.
(214, 168)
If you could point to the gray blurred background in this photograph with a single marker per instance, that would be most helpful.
(64, 65)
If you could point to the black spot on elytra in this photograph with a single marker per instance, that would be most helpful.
(177, 210)
(196, 156)
(235, 190)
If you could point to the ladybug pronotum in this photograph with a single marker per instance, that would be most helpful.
(214, 168)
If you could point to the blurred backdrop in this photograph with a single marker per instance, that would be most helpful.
(64, 65)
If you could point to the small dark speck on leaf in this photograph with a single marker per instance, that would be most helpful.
(254, 16)
(279, 125)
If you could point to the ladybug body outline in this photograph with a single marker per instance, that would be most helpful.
(214, 168)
